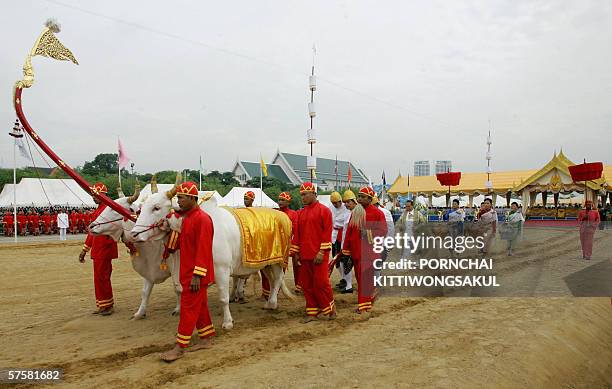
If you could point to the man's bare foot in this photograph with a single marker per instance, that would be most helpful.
(107, 312)
(308, 319)
(328, 317)
(202, 344)
(172, 355)
(364, 315)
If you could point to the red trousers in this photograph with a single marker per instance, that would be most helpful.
(364, 270)
(102, 269)
(194, 314)
(265, 285)
(586, 241)
(317, 289)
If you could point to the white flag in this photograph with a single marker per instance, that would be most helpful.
(22, 149)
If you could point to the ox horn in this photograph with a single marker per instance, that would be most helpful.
(154, 184)
(120, 192)
(172, 192)
(134, 197)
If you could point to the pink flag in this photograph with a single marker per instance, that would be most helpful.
(123, 158)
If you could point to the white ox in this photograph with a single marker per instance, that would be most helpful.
(227, 250)
(146, 261)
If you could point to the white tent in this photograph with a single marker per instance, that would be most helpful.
(324, 199)
(44, 192)
(146, 191)
(235, 198)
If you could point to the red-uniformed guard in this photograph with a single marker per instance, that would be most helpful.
(103, 251)
(284, 199)
(358, 243)
(22, 223)
(46, 221)
(196, 273)
(311, 248)
(249, 198)
(80, 221)
(9, 223)
(74, 220)
(34, 221)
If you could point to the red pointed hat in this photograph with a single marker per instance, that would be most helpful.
(249, 195)
(99, 188)
(308, 187)
(187, 188)
(284, 196)
(366, 190)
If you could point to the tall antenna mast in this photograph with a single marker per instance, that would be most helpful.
(311, 161)
(489, 184)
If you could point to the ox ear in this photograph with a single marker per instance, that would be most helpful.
(154, 184)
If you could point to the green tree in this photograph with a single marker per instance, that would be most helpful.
(102, 164)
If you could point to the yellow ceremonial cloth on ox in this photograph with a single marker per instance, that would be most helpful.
(265, 234)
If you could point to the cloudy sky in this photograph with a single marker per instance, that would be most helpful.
(399, 81)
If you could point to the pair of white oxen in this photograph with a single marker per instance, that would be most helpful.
(150, 232)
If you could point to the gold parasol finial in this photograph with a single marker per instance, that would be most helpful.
(47, 45)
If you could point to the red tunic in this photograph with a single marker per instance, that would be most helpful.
(314, 231)
(74, 218)
(102, 246)
(293, 216)
(8, 219)
(196, 241)
(46, 219)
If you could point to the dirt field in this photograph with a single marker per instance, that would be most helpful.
(47, 296)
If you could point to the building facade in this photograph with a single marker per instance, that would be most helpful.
(422, 168)
(291, 168)
(444, 166)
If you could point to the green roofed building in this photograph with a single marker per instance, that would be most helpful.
(291, 168)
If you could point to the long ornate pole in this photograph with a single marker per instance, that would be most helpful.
(48, 45)
(311, 161)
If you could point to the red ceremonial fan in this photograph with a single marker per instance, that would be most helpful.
(586, 171)
(449, 179)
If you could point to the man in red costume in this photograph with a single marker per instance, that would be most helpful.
(196, 273)
(284, 199)
(46, 221)
(249, 198)
(103, 251)
(74, 218)
(22, 223)
(311, 247)
(34, 221)
(358, 243)
(9, 223)
(589, 220)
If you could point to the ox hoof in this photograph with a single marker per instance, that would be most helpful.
(138, 317)
(270, 307)
(228, 326)
(175, 313)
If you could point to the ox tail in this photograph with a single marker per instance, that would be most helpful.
(286, 291)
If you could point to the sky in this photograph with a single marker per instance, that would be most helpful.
(398, 81)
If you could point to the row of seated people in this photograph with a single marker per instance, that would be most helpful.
(37, 221)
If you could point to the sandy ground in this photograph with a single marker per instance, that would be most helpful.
(47, 296)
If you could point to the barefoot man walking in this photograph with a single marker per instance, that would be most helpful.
(196, 273)
(310, 248)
